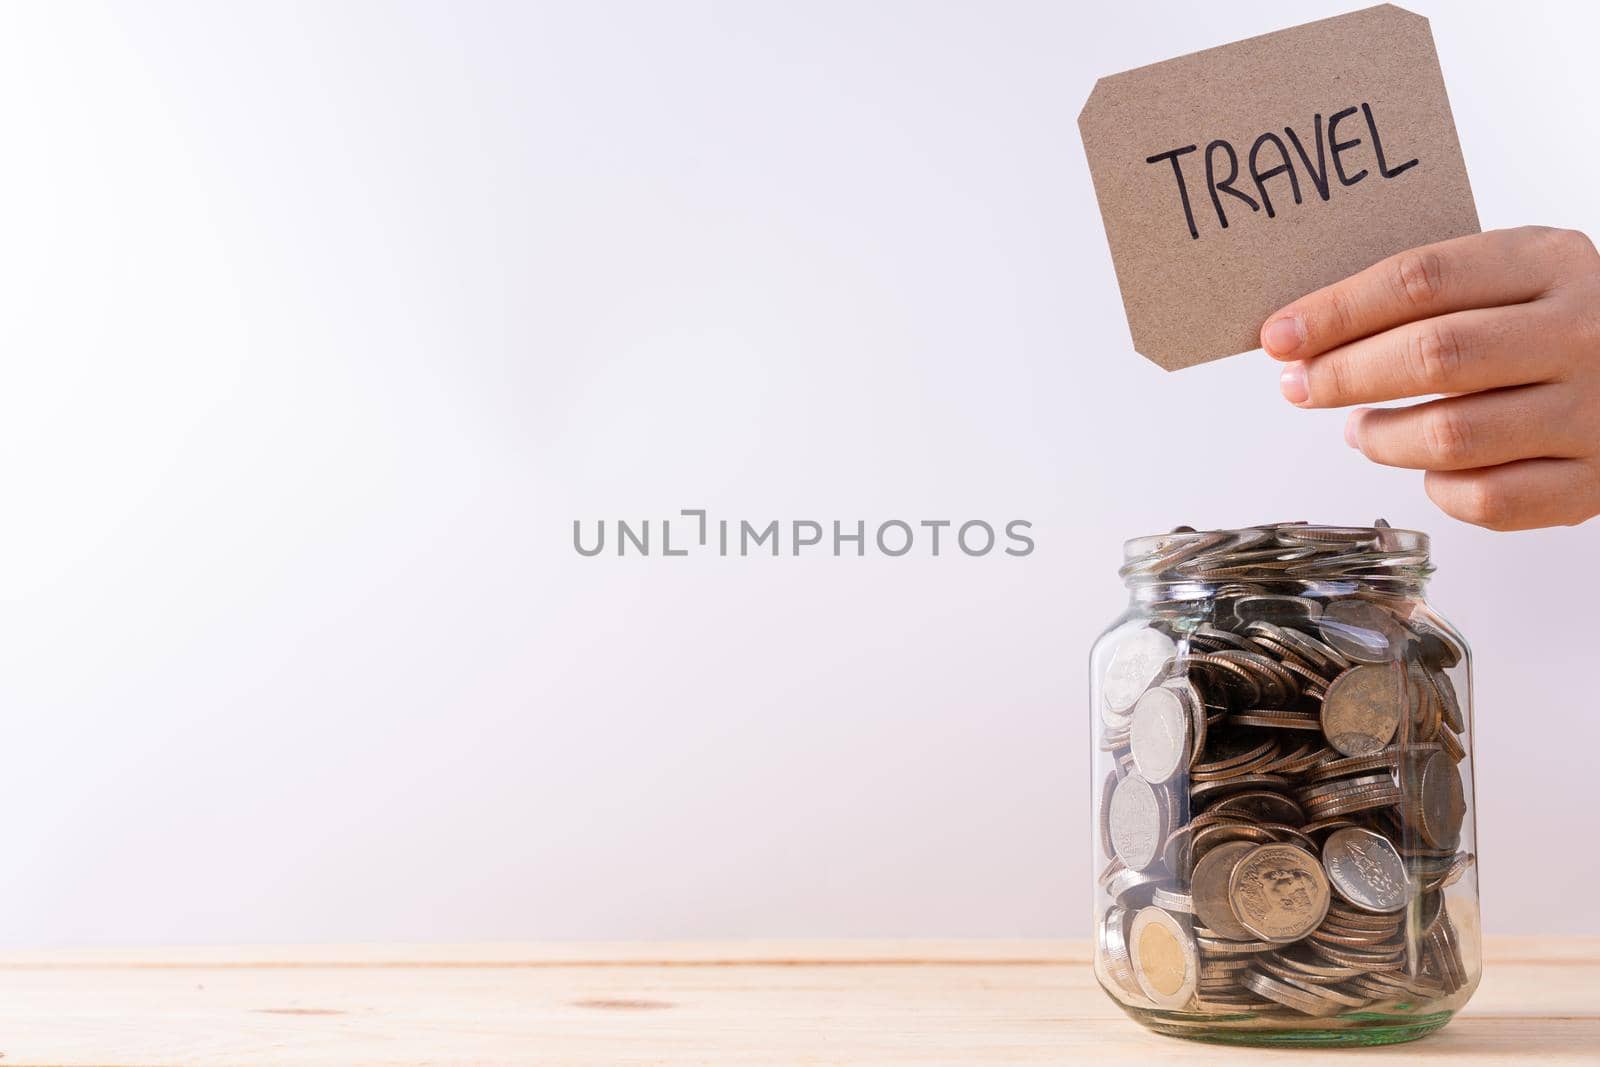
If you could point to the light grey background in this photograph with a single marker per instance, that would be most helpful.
(322, 323)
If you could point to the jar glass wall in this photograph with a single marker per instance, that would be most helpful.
(1282, 738)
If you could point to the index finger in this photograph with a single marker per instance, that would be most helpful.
(1482, 270)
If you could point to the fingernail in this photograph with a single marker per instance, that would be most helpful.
(1350, 428)
(1282, 336)
(1292, 383)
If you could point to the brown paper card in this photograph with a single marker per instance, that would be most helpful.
(1354, 105)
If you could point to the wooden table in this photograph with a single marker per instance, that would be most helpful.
(773, 1003)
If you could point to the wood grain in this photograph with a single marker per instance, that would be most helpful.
(763, 1003)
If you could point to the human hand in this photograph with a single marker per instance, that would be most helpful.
(1506, 326)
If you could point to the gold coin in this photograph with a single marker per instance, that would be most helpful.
(1209, 889)
(1165, 960)
(1279, 892)
(1363, 708)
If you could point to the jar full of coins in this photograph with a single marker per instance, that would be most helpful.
(1282, 732)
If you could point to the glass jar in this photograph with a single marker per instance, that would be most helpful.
(1282, 738)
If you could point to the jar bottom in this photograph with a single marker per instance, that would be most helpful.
(1354, 1030)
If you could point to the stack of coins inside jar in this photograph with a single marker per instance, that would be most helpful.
(1285, 804)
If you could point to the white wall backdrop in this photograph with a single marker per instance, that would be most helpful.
(322, 323)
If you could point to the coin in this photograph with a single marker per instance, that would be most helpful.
(1364, 868)
(1211, 947)
(1320, 655)
(1173, 901)
(1132, 889)
(1363, 708)
(1441, 804)
(1264, 805)
(1444, 952)
(1459, 866)
(1389, 758)
(1449, 702)
(1277, 720)
(1277, 685)
(1229, 675)
(1203, 841)
(1159, 736)
(1135, 662)
(1341, 786)
(1167, 552)
(1139, 820)
(1279, 892)
(1364, 632)
(1288, 995)
(1114, 949)
(1165, 960)
(1208, 887)
(1224, 786)
(1368, 798)
(1452, 746)
(1310, 754)
(1193, 701)
(1439, 645)
(1324, 991)
(1315, 968)
(1233, 753)
(1208, 636)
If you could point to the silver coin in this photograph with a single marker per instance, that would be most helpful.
(1160, 734)
(1133, 889)
(1364, 868)
(1173, 900)
(1114, 950)
(1135, 663)
(1323, 992)
(1362, 631)
(1139, 822)
(1322, 656)
(1290, 996)
(1441, 645)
